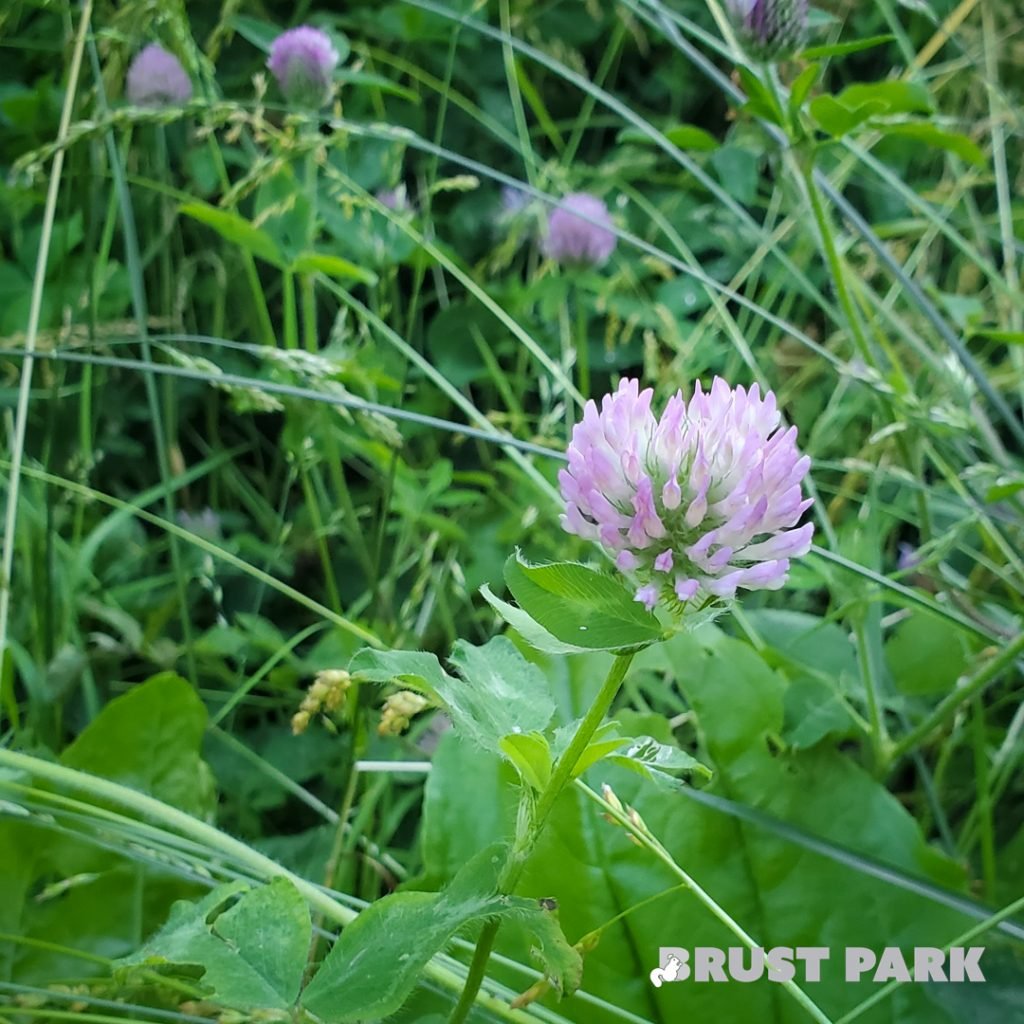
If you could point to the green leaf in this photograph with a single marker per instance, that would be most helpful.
(803, 84)
(149, 738)
(255, 30)
(580, 606)
(561, 963)
(604, 742)
(658, 761)
(896, 97)
(372, 968)
(234, 228)
(931, 135)
(251, 956)
(839, 118)
(760, 100)
(332, 266)
(842, 49)
(689, 136)
(532, 632)
(992, 334)
(684, 136)
(531, 755)
(1005, 487)
(500, 692)
(924, 659)
(777, 889)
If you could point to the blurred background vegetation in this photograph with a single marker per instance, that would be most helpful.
(272, 418)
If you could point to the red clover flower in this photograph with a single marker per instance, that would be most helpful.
(571, 239)
(697, 504)
(157, 79)
(303, 60)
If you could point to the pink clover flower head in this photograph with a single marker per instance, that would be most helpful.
(157, 79)
(580, 232)
(769, 30)
(303, 60)
(695, 504)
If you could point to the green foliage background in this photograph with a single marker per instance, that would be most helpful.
(273, 421)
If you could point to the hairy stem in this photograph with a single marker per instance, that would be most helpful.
(527, 836)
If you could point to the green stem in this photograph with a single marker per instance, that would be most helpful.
(835, 263)
(880, 743)
(306, 283)
(530, 831)
(983, 797)
(582, 342)
(948, 706)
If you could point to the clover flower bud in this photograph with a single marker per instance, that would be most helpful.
(303, 60)
(694, 505)
(580, 232)
(769, 30)
(157, 79)
(399, 710)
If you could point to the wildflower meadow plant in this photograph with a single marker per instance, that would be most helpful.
(698, 503)
(302, 60)
(156, 79)
(769, 30)
(580, 232)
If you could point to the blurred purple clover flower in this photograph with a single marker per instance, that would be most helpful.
(157, 79)
(513, 200)
(908, 558)
(394, 199)
(769, 30)
(697, 504)
(303, 60)
(205, 523)
(580, 232)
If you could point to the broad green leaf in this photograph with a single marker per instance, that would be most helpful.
(67, 896)
(234, 228)
(896, 97)
(415, 670)
(842, 49)
(782, 893)
(838, 118)
(250, 956)
(499, 691)
(149, 738)
(333, 266)
(658, 761)
(931, 135)
(581, 606)
(531, 754)
(738, 169)
(530, 630)
(820, 663)
(924, 659)
(376, 961)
